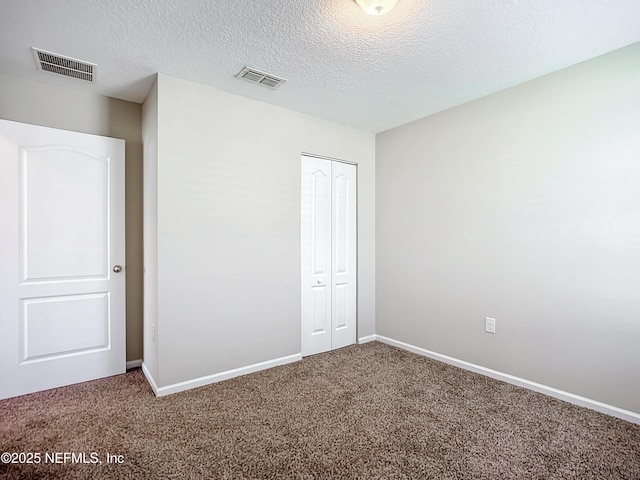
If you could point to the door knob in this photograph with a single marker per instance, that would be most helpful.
(117, 268)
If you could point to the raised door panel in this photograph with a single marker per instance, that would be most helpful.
(320, 224)
(51, 327)
(65, 228)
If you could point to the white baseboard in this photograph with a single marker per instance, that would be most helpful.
(134, 364)
(627, 415)
(217, 377)
(367, 339)
(150, 379)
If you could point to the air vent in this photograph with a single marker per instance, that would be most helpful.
(262, 78)
(67, 66)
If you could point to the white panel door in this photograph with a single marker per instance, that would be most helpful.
(62, 253)
(316, 255)
(328, 274)
(343, 242)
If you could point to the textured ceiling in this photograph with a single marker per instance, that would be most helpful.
(372, 73)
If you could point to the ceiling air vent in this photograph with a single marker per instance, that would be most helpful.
(262, 78)
(67, 66)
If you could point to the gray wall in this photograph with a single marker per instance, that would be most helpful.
(37, 103)
(228, 227)
(523, 206)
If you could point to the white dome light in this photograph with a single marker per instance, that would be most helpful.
(376, 7)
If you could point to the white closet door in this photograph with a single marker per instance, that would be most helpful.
(328, 277)
(343, 263)
(62, 297)
(316, 255)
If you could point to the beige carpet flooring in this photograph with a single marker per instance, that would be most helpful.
(361, 412)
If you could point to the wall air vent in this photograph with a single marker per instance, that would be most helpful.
(262, 78)
(67, 66)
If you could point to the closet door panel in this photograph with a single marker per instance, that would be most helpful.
(343, 244)
(316, 259)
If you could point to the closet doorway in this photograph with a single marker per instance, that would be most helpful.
(329, 252)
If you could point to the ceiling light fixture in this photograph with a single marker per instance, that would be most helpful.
(376, 7)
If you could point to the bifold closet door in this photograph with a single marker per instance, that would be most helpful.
(328, 275)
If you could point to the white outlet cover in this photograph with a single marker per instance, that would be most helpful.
(489, 325)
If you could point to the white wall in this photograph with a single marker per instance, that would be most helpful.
(228, 225)
(150, 228)
(524, 206)
(28, 101)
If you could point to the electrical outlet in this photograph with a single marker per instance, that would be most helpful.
(489, 325)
